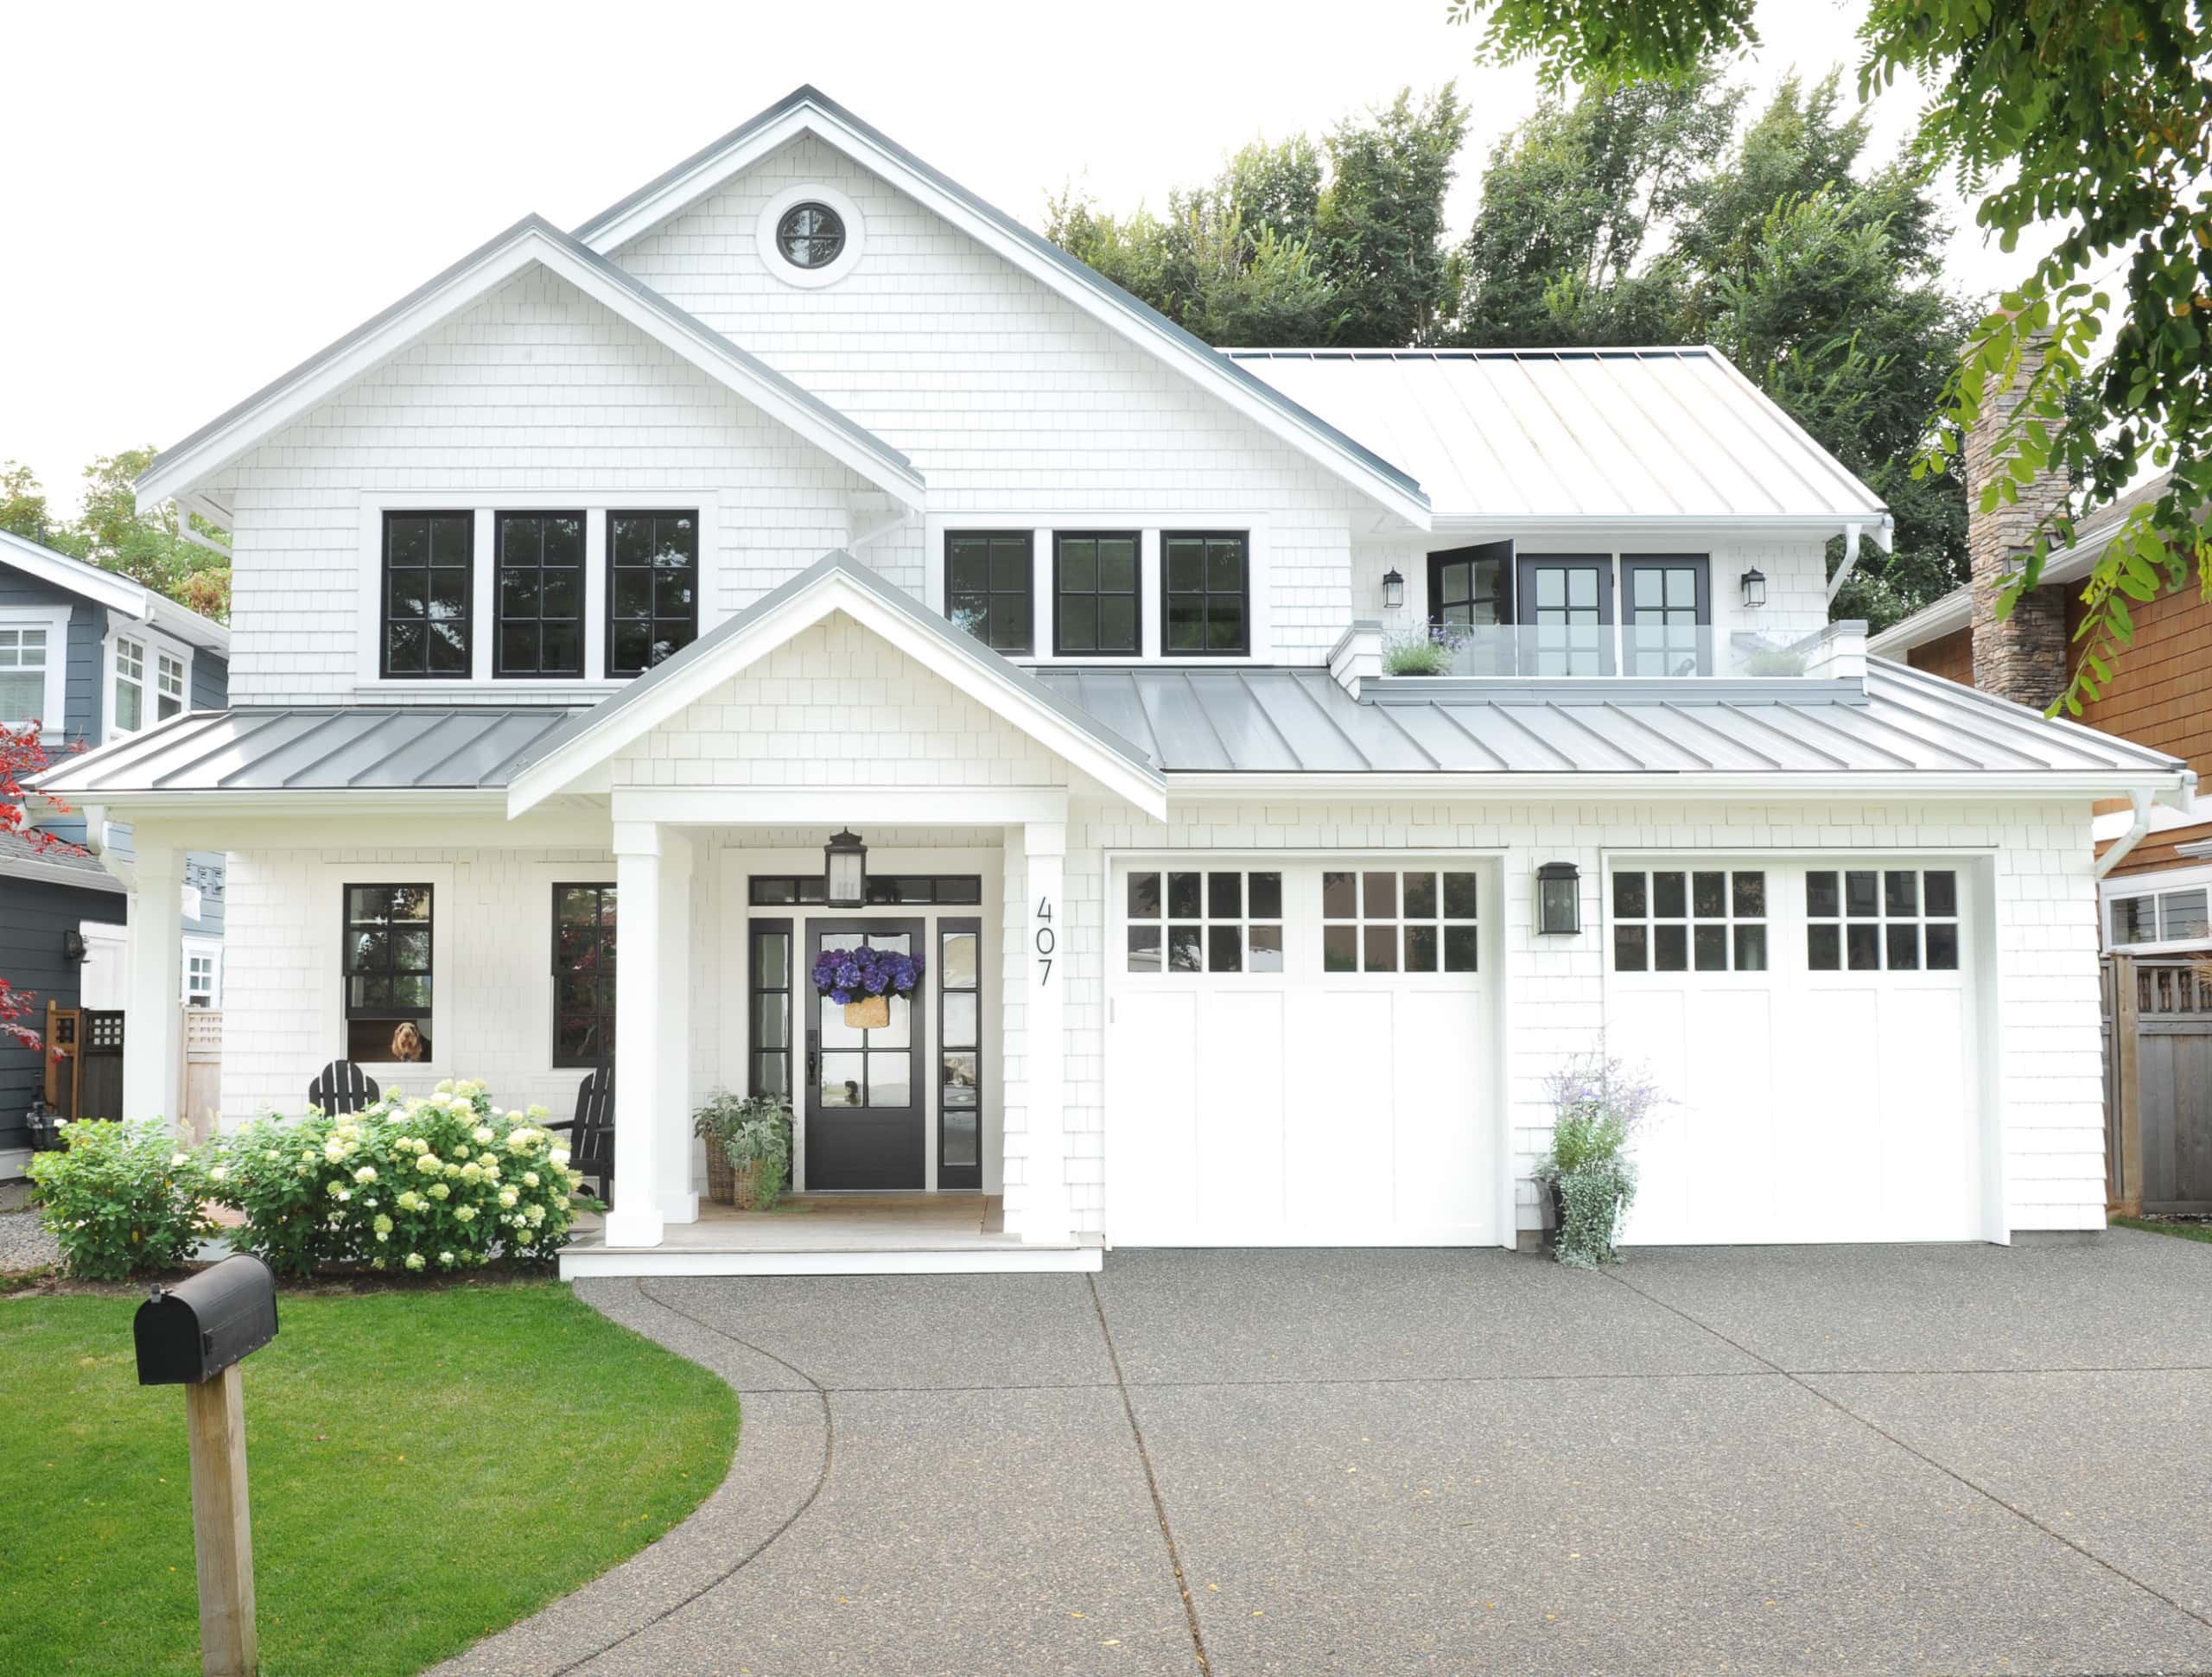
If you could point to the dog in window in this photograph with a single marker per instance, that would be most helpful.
(407, 1042)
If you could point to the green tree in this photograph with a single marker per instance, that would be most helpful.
(1380, 224)
(2093, 115)
(110, 532)
(22, 503)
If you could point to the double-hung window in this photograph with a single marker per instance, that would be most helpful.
(29, 654)
(428, 591)
(1206, 578)
(130, 711)
(541, 594)
(387, 973)
(1666, 614)
(168, 686)
(988, 579)
(1095, 593)
(653, 587)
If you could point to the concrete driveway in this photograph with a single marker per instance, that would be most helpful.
(1810, 1459)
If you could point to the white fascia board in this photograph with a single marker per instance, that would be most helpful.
(834, 592)
(808, 806)
(181, 471)
(1736, 786)
(50, 872)
(117, 594)
(1953, 612)
(711, 172)
(1720, 528)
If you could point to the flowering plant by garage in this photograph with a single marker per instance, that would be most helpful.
(439, 1182)
(854, 975)
(1598, 1104)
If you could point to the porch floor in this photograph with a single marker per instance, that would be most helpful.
(830, 1235)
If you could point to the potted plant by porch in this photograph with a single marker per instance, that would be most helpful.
(863, 980)
(748, 1149)
(1597, 1105)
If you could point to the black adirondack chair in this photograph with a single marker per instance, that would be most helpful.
(342, 1087)
(591, 1132)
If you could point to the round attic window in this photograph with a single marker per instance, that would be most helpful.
(811, 235)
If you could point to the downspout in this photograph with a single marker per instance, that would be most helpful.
(1850, 562)
(2128, 840)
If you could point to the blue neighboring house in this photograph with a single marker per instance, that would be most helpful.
(93, 657)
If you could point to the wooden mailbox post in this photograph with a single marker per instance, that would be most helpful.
(193, 1335)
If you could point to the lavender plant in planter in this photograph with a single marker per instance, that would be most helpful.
(863, 981)
(1598, 1104)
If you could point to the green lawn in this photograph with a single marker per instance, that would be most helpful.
(426, 1466)
(2188, 1231)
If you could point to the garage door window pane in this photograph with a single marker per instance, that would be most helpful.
(1263, 950)
(1751, 948)
(1263, 896)
(1225, 896)
(1822, 899)
(1670, 949)
(1862, 948)
(1340, 949)
(1824, 947)
(1709, 895)
(1720, 903)
(1751, 896)
(1379, 896)
(1209, 931)
(1631, 946)
(1420, 896)
(1943, 947)
(1382, 949)
(1144, 948)
(1183, 954)
(1226, 949)
(1460, 897)
(1904, 942)
(1421, 949)
(1670, 896)
(1339, 896)
(1898, 919)
(1711, 948)
(1859, 899)
(1631, 900)
(1901, 893)
(1144, 896)
(1183, 896)
(1462, 949)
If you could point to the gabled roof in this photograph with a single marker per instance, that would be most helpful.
(179, 469)
(1521, 436)
(835, 582)
(117, 594)
(806, 110)
(1955, 611)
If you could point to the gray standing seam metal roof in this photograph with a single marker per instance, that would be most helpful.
(707, 338)
(1255, 721)
(1143, 312)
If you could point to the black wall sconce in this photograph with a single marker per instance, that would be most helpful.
(72, 946)
(1394, 590)
(1558, 898)
(1754, 587)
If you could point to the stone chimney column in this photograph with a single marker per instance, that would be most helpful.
(2025, 656)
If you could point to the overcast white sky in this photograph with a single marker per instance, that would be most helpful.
(196, 199)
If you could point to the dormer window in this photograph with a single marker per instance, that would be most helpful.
(137, 661)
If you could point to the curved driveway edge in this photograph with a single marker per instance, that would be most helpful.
(783, 1458)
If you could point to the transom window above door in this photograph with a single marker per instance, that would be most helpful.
(989, 578)
(1218, 920)
(1383, 920)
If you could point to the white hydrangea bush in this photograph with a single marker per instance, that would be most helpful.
(417, 1184)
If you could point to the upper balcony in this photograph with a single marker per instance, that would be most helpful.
(1422, 664)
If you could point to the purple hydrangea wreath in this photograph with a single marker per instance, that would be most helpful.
(846, 976)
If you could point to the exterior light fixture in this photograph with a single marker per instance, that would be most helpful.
(1755, 588)
(1558, 898)
(1394, 591)
(845, 872)
(72, 946)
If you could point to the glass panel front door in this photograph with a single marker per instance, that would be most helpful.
(866, 1108)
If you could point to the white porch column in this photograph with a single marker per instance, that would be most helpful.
(673, 1194)
(1044, 1215)
(640, 1055)
(153, 1025)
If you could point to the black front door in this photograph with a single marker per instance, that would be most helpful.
(866, 1102)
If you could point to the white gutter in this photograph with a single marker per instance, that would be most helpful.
(2130, 838)
(1884, 537)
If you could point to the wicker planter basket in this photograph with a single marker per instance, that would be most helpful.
(869, 1013)
(722, 1179)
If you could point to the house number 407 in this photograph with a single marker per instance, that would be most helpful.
(1044, 940)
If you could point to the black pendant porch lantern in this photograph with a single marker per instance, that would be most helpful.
(1559, 898)
(845, 872)
(1394, 590)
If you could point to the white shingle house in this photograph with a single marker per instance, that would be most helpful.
(801, 493)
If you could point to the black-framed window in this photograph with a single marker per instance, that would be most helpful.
(1471, 587)
(990, 587)
(583, 974)
(540, 587)
(960, 1055)
(1666, 613)
(1566, 610)
(774, 890)
(653, 587)
(429, 593)
(1680, 920)
(1095, 595)
(769, 965)
(1206, 593)
(386, 962)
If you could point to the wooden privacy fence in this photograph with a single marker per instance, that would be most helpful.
(84, 1072)
(2158, 1020)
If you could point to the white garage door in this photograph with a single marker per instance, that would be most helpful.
(1816, 1021)
(1295, 1054)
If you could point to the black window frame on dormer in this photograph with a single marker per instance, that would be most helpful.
(1205, 593)
(1018, 547)
(428, 568)
(534, 571)
(668, 631)
(1097, 593)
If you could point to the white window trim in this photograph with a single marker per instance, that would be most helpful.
(772, 256)
(328, 937)
(209, 950)
(54, 619)
(156, 643)
(595, 503)
(2110, 891)
(1149, 523)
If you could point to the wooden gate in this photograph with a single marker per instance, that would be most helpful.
(99, 1063)
(2157, 1031)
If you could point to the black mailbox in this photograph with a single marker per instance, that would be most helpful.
(195, 1330)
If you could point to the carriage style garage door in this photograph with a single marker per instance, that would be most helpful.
(1817, 1022)
(1296, 1054)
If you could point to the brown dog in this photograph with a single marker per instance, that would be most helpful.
(407, 1042)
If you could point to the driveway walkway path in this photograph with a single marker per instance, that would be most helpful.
(1829, 1459)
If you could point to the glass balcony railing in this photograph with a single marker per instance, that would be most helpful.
(1609, 650)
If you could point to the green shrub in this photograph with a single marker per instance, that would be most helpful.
(120, 1199)
(1598, 1106)
(439, 1182)
(1418, 654)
